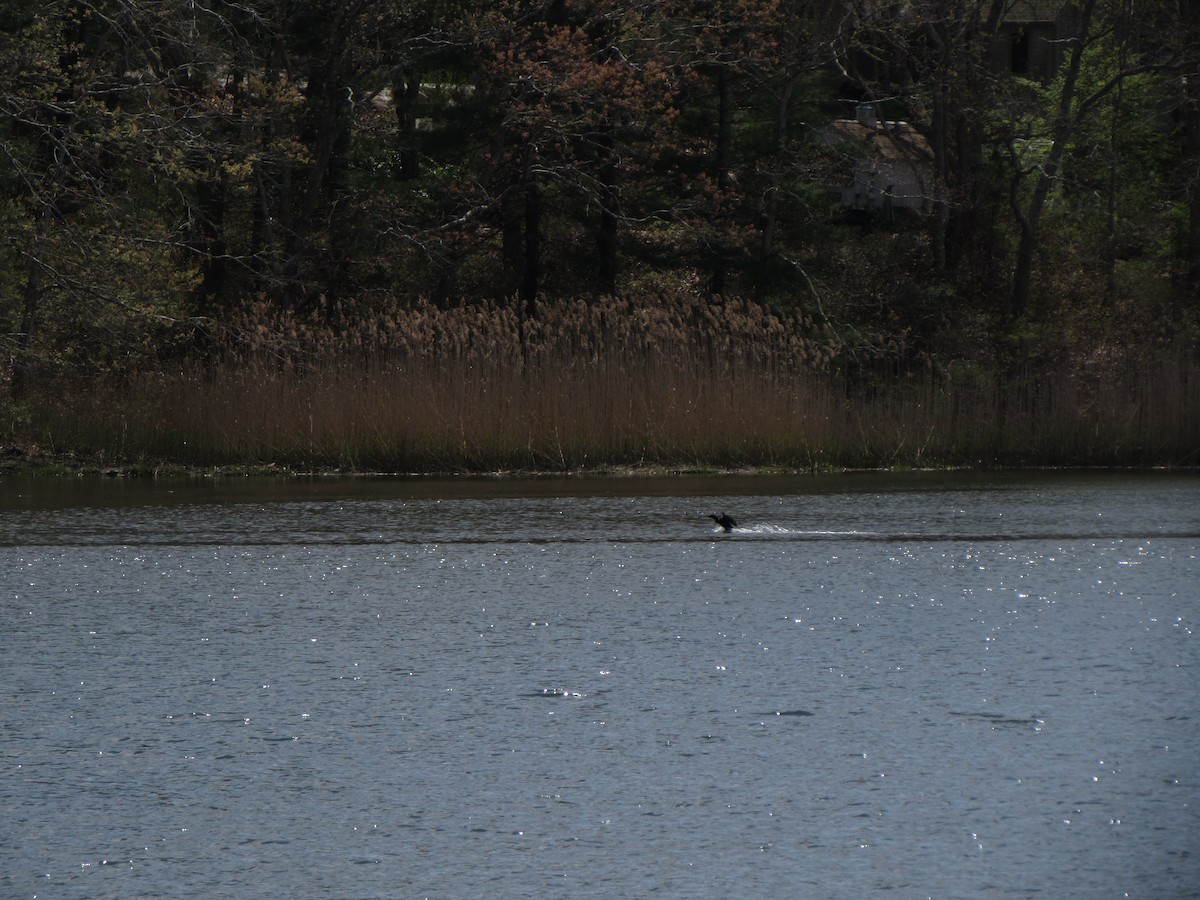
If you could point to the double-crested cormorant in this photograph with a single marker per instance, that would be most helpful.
(724, 521)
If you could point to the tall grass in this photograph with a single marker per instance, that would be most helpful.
(675, 384)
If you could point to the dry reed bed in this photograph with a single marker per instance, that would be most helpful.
(676, 383)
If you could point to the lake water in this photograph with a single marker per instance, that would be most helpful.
(920, 685)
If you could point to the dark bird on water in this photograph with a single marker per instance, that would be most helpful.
(724, 521)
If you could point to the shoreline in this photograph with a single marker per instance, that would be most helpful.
(32, 463)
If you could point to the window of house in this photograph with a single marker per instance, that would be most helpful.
(1020, 52)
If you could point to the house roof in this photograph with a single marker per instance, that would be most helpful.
(888, 140)
(1026, 11)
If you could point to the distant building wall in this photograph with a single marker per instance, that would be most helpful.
(892, 164)
(1029, 42)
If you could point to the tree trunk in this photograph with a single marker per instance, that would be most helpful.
(519, 215)
(29, 311)
(1114, 164)
(209, 241)
(769, 213)
(331, 131)
(721, 166)
(941, 166)
(273, 184)
(606, 240)
(406, 92)
(1064, 124)
(533, 248)
(1191, 131)
(512, 238)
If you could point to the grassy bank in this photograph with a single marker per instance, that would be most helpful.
(676, 385)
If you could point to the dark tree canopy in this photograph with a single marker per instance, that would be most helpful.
(169, 168)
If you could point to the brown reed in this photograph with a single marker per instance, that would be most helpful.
(675, 383)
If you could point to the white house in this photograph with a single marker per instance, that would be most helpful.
(892, 163)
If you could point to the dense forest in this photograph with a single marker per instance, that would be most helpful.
(552, 234)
